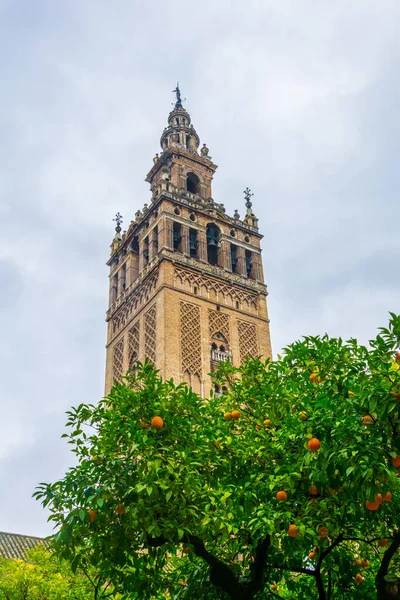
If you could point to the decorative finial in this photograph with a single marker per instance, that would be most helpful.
(236, 215)
(177, 91)
(118, 220)
(247, 195)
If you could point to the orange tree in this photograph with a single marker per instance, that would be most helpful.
(286, 485)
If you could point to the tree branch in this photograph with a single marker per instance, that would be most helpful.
(383, 568)
(354, 539)
(323, 555)
(297, 570)
(258, 564)
(220, 574)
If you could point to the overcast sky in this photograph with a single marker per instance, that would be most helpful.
(298, 100)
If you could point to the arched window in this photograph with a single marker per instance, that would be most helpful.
(146, 249)
(213, 237)
(114, 289)
(193, 242)
(177, 237)
(135, 244)
(234, 258)
(249, 264)
(193, 183)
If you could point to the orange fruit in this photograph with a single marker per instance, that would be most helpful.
(365, 563)
(313, 490)
(235, 414)
(157, 423)
(398, 356)
(318, 379)
(92, 515)
(332, 492)
(120, 509)
(312, 377)
(314, 444)
(378, 499)
(267, 422)
(358, 562)
(293, 531)
(183, 582)
(228, 416)
(358, 578)
(368, 421)
(303, 416)
(323, 532)
(395, 394)
(273, 586)
(396, 461)
(143, 425)
(186, 550)
(258, 426)
(382, 543)
(95, 458)
(281, 496)
(388, 496)
(371, 505)
(311, 555)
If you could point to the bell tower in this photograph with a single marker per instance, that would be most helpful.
(186, 280)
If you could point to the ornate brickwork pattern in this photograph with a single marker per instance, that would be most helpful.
(118, 361)
(138, 297)
(190, 339)
(224, 292)
(218, 323)
(248, 344)
(150, 331)
(133, 345)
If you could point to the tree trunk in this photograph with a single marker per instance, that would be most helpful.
(387, 586)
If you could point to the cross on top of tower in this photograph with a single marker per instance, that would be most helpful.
(118, 220)
(247, 195)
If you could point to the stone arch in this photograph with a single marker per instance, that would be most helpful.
(213, 234)
(193, 183)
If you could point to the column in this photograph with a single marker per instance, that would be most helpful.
(241, 268)
(185, 240)
(202, 241)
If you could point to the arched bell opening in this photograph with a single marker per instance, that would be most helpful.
(213, 240)
(193, 183)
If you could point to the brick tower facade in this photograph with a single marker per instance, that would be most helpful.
(186, 280)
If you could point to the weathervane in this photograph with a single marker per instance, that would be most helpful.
(177, 91)
(118, 220)
(248, 194)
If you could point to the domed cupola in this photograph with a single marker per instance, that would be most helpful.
(180, 132)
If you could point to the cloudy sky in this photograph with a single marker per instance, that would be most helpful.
(296, 99)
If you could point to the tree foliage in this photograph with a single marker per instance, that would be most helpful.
(191, 507)
(44, 577)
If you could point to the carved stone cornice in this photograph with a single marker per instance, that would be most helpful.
(218, 272)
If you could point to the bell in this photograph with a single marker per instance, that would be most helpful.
(212, 242)
(193, 246)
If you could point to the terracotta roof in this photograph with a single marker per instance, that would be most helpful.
(14, 545)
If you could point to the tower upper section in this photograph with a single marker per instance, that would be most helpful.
(183, 250)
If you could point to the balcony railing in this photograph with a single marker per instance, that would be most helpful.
(219, 356)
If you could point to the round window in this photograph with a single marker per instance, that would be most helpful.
(177, 211)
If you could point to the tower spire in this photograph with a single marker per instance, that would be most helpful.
(177, 91)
